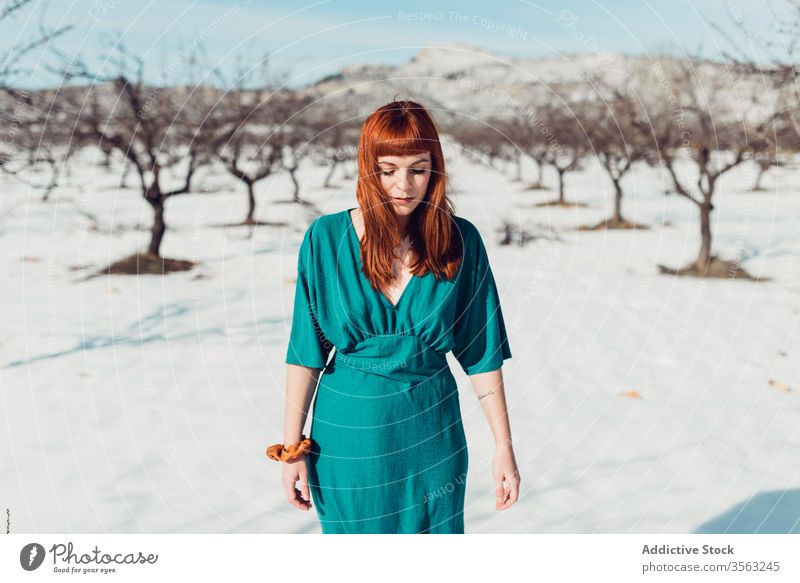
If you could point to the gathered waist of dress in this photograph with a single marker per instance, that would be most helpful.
(398, 357)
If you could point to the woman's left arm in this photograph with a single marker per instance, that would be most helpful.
(490, 390)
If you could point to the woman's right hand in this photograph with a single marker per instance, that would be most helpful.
(296, 471)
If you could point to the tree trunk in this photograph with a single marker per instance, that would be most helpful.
(126, 169)
(617, 201)
(159, 226)
(704, 257)
(292, 173)
(251, 202)
(539, 172)
(519, 169)
(761, 171)
(330, 174)
(560, 185)
(53, 180)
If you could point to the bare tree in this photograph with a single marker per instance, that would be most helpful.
(254, 109)
(482, 141)
(159, 130)
(778, 73)
(253, 150)
(296, 136)
(565, 144)
(513, 148)
(531, 133)
(37, 141)
(612, 124)
(25, 138)
(11, 59)
(700, 123)
(335, 126)
(775, 142)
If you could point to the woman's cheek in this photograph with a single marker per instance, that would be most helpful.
(424, 185)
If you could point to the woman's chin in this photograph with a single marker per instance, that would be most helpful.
(405, 208)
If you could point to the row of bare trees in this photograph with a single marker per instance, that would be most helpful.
(166, 133)
(695, 119)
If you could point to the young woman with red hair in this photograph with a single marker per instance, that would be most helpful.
(393, 285)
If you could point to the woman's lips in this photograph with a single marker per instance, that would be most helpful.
(403, 200)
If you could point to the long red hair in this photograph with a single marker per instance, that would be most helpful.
(403, 128)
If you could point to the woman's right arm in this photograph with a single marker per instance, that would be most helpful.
(301, 382)
(306, 357)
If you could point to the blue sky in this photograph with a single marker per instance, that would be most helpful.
(309, 40)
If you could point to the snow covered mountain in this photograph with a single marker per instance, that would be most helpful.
(465, 80)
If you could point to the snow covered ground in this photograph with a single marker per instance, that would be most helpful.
(144, 404)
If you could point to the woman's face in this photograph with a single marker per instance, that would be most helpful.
(405, 179)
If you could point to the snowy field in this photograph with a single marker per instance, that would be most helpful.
(639, 402)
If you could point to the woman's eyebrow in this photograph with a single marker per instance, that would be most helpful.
(395, 165)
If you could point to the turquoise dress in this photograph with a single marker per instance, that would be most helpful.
(389, 452)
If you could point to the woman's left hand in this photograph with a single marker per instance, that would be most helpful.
(505, 471)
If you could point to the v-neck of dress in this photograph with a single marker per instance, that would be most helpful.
(351, 227)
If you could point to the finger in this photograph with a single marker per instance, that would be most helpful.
(503, 499)
(502, 496)
(504, 504)
(288, 490)
(499, 492)
(306, 491)
(292, 498)
(299, 502)
(293, 494)
(511, 498)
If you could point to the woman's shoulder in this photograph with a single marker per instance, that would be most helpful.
(325, 225)
(465, 226)
(469, 233)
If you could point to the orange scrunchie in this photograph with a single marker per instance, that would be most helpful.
(281, 453)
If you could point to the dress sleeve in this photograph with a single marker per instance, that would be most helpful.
(308, 345)
(481, 343)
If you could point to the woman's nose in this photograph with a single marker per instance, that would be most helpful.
(405, 179)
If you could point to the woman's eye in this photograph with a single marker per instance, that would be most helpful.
(415, 171)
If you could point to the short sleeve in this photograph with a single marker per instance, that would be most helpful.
(481, 342)
(308, 345)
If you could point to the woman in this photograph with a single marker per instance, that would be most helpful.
(394, 285)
